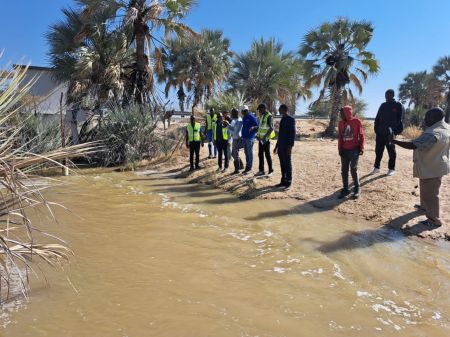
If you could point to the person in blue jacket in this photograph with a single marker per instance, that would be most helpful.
(249, 129)
(285, 143)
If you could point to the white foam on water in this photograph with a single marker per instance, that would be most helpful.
(241, 236)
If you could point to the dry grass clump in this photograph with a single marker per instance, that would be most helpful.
(21, 192)
(412, 132)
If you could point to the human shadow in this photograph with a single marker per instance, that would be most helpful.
(389, 232)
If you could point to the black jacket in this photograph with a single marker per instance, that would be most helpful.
(390, 115)
(286, 135)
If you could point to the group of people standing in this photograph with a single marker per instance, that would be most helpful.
(227, 135)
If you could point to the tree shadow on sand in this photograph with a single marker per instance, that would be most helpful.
(393, 231)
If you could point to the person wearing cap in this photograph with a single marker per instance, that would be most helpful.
(222, 140)
(236, 132)
(264, 135)
(193, 142)
(211, 119)
(286, 140)
(350, 145)
(249, 129)
(431, 163)
(389, 120)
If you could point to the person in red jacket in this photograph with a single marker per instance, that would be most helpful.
(351, 146)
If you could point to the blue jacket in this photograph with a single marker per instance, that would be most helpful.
(248, 122)
(286, 135)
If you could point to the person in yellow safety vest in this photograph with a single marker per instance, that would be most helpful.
(193, 142)
(264, 135)
(222, 140)
(211, 119)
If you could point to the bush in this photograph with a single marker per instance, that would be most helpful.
(38, 135)
(414, 117)
(127, 134)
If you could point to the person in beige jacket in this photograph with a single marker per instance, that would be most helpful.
(431, 162)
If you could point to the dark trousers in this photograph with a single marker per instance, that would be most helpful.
(284, 154)
(194, 148)
(381, 143)
(349, 160)
(264, 150)
(223, 148)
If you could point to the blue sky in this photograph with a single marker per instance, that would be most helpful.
(409, 35)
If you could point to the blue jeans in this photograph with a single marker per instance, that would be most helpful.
(248, 150)
(209, 134)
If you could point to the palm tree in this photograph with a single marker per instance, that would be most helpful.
(145, 18)
(97, 66)
(421, 90)
(266, 74)
(195, 63)
(337, 57)
(442, 72)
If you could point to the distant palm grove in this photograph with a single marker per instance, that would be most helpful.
(122, 54)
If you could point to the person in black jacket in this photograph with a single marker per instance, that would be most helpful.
(389, 121)
(286, 139)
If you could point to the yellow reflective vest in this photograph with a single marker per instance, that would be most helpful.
(210, 121)
(193, 132)
(264, 126)
(224, 132)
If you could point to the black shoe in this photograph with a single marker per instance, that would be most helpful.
(430, 224)
(281, 184)
(246, 171)
(343, 193)
(191, 169)
(198, 167)
(287, 186)
(356, 193)
(270, 173)
(235, 172)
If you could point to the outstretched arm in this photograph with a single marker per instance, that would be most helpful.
(405, 145)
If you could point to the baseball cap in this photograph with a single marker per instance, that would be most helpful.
(244, 108)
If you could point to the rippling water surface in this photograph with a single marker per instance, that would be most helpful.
(158, 257)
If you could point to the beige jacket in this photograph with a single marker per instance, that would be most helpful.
(433, 162)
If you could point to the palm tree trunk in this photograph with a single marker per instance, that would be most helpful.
(140, 30)
(337, 98)
(447, 115)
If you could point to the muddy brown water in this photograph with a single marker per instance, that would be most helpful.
(158, 257)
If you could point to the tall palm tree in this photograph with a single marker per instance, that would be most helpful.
(421, 90)
(145, 18)
(337, 58)
(442, 72)
(195, 63)
(98, 66)
(267, 74)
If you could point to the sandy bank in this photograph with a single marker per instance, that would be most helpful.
(316, 180)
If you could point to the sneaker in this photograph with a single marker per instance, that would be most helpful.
(270, 173)
(281, 184)
(219, 169)
(245, 172)
(209, 157)
(225, 170)
(428, 223)
(259, 174)
(191, 169)
(390, 173)
(235, 172)
(356, 193)
(287, 187)
(375, 171)
(343, 193)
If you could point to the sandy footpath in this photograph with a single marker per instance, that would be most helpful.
(317, 180)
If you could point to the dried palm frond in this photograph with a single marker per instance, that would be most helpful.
(20, 193)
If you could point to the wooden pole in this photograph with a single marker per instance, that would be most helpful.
(65, 169)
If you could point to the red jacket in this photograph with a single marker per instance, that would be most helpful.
(351, 133)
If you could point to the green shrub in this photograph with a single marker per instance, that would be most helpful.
(38, 135)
